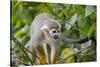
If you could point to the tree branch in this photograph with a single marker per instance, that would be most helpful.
(22, 48)
(64, 59)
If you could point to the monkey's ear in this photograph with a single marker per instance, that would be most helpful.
(45, 29)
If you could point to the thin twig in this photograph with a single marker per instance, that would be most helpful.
(25, 48)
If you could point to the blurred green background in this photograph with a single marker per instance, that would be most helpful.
(77, 21)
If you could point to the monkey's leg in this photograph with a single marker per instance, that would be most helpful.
(54, 53)
(41, 54)
(47, 53)
(53, 56)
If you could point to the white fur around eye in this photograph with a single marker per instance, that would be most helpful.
(51, 31)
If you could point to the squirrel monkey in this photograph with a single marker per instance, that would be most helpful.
(44, 39)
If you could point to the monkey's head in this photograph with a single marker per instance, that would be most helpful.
(54, 30)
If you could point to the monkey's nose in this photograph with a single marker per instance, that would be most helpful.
(55, 36)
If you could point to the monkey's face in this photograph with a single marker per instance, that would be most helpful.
(51, 33)
(55, 33)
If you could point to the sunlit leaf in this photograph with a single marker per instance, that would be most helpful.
(67, 52)
(89, 10)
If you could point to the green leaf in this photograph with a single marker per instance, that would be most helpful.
(92, 28)
(81, 22)
(71, 22)
(85, 28)
(89, 10)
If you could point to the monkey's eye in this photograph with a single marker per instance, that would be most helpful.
(58, 31)
(54, 31)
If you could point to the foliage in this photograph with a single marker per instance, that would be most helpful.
(77, 21)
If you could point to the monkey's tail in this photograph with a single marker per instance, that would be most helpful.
(77, 41)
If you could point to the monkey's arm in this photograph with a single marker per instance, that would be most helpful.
(76, 41)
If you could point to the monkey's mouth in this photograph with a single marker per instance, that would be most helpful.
(55, 37)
